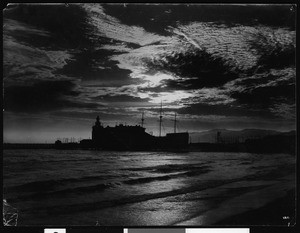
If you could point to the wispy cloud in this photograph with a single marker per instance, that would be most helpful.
(22, 58)
(115, 62)
(108, 26)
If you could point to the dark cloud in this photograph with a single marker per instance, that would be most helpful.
(95, 65)
(242, 56)
(273, 53)
(23, 74)
(158, 17)
(156, 89)
(41, 42)
(67, 25)
(26, 34)
(197, 69)
(231, 110)
(43, 96)
(264, 97)
(120, 98)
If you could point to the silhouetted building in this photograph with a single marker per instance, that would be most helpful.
(58, 142)
(86, 144)
(123, 137)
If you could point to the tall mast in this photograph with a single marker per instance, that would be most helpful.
(160, 118)
(175, 123)
(143, 119)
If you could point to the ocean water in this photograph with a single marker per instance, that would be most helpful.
(81, 187)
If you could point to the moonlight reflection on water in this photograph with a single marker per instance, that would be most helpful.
(140, 188)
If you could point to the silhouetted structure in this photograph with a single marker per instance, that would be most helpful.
(218, 138)
(16, 146)
(273, 144)
(123, 137)
(68, 145)
(282, 143)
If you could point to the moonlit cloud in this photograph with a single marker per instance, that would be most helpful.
(12, 27)
(108, 26)
(233, 70)
(24, 62)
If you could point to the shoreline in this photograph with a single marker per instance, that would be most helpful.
(280, 212)
(275, 206)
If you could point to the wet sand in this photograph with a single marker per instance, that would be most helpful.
(273, 205)
(280, 212)
(138, 189)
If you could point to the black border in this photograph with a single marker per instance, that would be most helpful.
(116, 229)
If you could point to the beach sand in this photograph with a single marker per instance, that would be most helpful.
(280, 212)
(273, 205)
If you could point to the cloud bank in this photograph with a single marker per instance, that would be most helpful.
(118, 60)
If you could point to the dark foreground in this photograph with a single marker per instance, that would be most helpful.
(280, 212)
(82, 187)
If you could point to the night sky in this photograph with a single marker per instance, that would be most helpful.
(216, 66)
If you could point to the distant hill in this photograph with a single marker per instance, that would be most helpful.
(233, 135)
